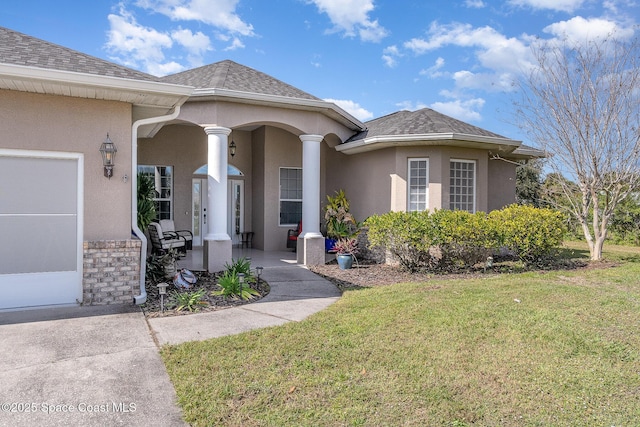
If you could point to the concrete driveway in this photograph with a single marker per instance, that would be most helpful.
(100, 366)
(82, 366)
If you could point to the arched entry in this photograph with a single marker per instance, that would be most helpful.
(235, 213)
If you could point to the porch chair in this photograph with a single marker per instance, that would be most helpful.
(168, 227)
(161, 242)
(292, 237)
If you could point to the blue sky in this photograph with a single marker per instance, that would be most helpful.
(371, 57)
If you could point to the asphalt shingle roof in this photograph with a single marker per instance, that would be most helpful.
(233, 76)
(421, 122)
(19, 49)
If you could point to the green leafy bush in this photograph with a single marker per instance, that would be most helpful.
(231, 287)
(146, 205)
(189, 300)
(462, 238)
(531, 233)
(406, 235)
(449, 240)
(241, 265)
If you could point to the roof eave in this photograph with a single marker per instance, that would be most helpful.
(503, 145)
(526, 153)
(92, 86)
(328, 108)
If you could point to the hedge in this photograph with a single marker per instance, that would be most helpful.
(445, 240)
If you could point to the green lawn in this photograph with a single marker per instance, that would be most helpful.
(556, 348)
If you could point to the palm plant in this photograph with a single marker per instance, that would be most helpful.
(146, 204)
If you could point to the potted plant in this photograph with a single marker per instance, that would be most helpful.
(339, 221)
(345, 250)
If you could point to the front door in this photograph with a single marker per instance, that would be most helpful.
(235, 210)
(235, 217)
(199, 210)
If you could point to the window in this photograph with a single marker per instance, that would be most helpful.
(290, 196)
(418, 196)
(163, 178)
(462, 185)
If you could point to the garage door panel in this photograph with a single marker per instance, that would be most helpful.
(41, 228)
(39, 244)
(40, 289)
(38, 185)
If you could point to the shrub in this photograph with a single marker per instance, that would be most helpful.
(231, 287)
(463, 239)
(404, 235)
(190, 300)
(241, 265)
(531, 233)
(446, 240)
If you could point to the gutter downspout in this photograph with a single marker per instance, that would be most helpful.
(142, 298)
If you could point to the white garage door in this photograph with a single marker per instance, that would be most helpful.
(41, 228)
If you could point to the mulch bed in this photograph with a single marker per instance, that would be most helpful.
(364, 274)
(368, 274)
(205, 281)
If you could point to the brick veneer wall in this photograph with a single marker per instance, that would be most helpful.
(111, 271)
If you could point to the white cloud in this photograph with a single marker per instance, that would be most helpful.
(165, 68)
(467, 111)
(410, 105)
(137, 46)
(195, 43)
(218, 13)
(235, 44)
(581, 29)
(475, 4)
(390, 55)
(434, 70)
(559, 5)
(489, 82)
(352, 18)
(495, 51)
(352, 108)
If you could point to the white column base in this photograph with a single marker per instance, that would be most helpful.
(310, 250)
(216, 254)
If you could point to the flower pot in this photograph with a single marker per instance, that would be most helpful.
(345, 261)
(328, 244)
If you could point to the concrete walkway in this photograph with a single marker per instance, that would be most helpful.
(295, 294)
(96, 366)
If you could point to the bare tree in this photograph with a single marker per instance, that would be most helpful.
(581, 104)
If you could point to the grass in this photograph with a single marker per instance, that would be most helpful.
(529, 349)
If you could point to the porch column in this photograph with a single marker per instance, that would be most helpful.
(217, 241)
(311, 242)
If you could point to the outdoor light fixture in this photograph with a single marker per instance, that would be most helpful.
(162, 288)
(108, 151)
(489, 263)
(232, 148)
(241, 278)
(259, 270)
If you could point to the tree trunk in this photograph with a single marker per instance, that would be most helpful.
(596, 252)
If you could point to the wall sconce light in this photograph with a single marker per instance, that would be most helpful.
(232, 148)
(108, 151)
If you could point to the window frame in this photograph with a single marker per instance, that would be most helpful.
(158, 200)
(281, 199)
(409, 185)
(452, 186)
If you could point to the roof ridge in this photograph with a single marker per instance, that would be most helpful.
(230, 75)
